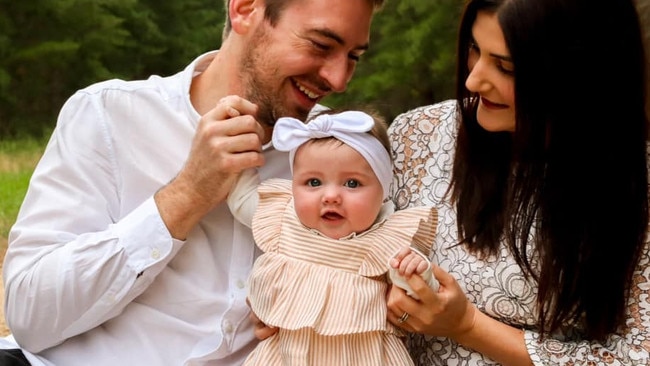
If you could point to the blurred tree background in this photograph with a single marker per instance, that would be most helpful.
(50, 48)
(411, 60)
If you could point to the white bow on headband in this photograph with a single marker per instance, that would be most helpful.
(350, 127)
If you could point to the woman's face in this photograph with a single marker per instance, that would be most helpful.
(491, 75)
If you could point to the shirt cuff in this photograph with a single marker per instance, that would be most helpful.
(144, 236)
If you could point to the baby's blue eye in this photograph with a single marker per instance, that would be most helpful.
(352, 183)
(313, 182)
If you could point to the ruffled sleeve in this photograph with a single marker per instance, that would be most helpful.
(414, 227)
(275, 195)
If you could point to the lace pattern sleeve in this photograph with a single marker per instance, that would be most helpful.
(422, 144)
(629, 346)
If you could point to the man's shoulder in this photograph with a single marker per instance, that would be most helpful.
(153, 83)
(170, 84)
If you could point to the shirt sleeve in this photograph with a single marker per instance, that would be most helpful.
(243, 198)
(74, 259)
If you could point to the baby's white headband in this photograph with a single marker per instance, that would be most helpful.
(350, 127)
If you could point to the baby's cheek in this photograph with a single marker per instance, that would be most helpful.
(305, 213)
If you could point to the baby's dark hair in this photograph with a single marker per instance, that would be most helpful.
(378, 131)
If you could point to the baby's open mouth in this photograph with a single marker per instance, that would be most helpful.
(331, 216)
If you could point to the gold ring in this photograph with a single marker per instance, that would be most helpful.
(403, 318)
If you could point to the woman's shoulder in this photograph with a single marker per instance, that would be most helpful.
(423, 144)
(440, 112)
(433, 127)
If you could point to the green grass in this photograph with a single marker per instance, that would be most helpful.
(17, 161)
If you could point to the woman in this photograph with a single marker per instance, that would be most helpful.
(539, 174)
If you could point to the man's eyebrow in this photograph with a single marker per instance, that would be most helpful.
(332, 35)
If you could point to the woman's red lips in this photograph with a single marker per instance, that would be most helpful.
(489, 104)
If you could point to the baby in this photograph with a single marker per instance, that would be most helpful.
(327, 237)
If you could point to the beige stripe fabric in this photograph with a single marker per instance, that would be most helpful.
(304, 347)
(327, 295)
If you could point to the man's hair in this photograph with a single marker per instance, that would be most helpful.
(274, 9)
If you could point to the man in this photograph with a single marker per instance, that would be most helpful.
(124, 251)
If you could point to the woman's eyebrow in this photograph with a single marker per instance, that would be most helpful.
(501, 57)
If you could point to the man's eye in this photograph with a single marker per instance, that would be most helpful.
(352, 183)
(320, 46)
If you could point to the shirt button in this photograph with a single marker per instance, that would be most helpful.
(227, 327)
(240, 284)
(155, 253)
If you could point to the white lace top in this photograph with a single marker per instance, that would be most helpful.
(423, 143)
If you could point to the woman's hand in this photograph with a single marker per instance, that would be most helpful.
(448, 313)
(445, 313)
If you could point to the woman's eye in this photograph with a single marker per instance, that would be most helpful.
(352, 183)
(313, 182)
(506, 69)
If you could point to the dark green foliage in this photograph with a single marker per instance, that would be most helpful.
(49, 49)
(411, 61)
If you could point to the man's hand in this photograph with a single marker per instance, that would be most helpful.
(228, 140)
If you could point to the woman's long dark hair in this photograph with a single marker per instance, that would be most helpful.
(574, 173)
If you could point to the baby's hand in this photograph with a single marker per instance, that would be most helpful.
(410, 264)
(405, 263)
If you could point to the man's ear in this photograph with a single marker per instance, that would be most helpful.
(244, 13)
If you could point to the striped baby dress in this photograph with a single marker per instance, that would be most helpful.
(327, 296)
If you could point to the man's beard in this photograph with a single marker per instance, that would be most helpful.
(266, 113)
(259, 83)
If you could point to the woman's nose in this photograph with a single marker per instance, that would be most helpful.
(476, 81)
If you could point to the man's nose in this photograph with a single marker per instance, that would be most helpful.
(337, 72)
